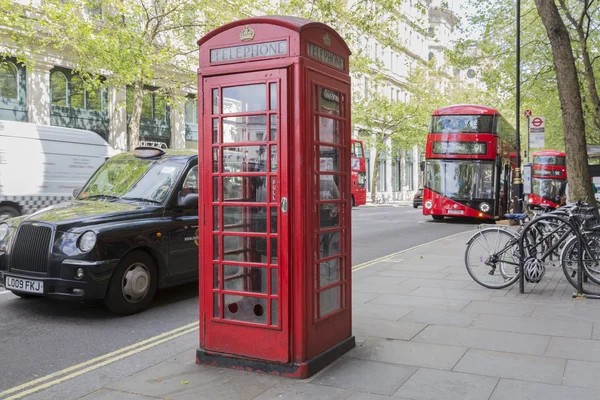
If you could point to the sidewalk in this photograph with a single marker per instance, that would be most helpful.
(424, 331)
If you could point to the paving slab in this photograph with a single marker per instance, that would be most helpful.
(513, 366)
(446, 293)
(108, 394)
(381, 288)
(510, 309)
(441, 283)
(303, 391)
(381, 311)
(427, 303)
(570, 312)
(379, 280)
(596, 332)
(359, 298)
(459, 269)
(539, 326)
(574, 349)
(484, 339)
(370, 396)
(437, 317)
(509, 389)
(403, 330)
(582, 374)
(366, 376)
(409, 353)
(411, 274)
(459, 276)
(429, 384)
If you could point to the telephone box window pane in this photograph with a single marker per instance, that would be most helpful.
(216, 189)
(216, 224)
(273, 219)
(245, 249)
(245, 308)
(273, 96)
(274, 282)
(330, 215)
(273, 158)
(216, 305)
(330, 272)
(215, 160)
(245, 129)
(245, 219)
(329, 158)
(273, 122)
(216, 276)
(216, 247)
(274, 312)
(245, 279)
(329, 244)
(215, 101)
(274, 251)
(251, 189)
(215, 131)
(248, 98)
(245, 159)
(330, 102)
(329, 130)
(330, 300)
(329, 187)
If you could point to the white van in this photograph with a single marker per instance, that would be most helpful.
(41, 165)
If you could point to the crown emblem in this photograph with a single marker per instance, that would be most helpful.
(247, 33)
(326, 40)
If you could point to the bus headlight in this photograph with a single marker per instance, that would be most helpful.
(485, 207)
(87, 241)
(3, 231)
(428, 204)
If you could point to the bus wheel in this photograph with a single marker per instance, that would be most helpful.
(437, 217)
(352, 202)
(7, 212)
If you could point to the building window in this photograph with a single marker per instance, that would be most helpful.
(58, 89)
(431, 55)
(381, 178)
(471, 73)
(154, 105)
(396, 175)
(69, 90)
(191, 111)
(409, 169)
(9, 81)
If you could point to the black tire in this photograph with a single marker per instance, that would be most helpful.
(437, 217)
(24, 295)
(138, 265)
(352, 202)
(568, 260)
(7, 212)
(415, 206)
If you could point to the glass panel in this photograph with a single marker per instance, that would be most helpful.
(274, 312)
(273, 96)
(215, 160)
(216, 194)
(216, 224)
(94, 99)
(215, 136)
(329, 188)
(330, 300)
(245, 249)
(245, 308)
(244, 159)
(274, 251)
(245, 219)
(216, 276)
(330, 272)
(330, 157)
(58, 86)
(330, 102)
(329, 130)
(76, 92)
(191, 112)
(9, 81)
(245, 129)
(273, 122)
(329, 244)
(147, 105)
(462, 124)
(273, 198)
(273, 158)
(273, 219)
(216, 247)
(216, 305)
(215, 101)
(245, 98)
(274, 282)
(463, 180)
(160, 107)
(245, 279)
(330, 215)
(245, 188)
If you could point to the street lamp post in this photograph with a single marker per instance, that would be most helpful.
(517, 181)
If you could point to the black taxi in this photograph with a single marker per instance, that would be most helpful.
(131, 230)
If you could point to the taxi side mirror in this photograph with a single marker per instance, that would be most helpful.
(190, 200)
(76, 192)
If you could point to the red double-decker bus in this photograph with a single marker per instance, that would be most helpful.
(548, 173)
(359, 174)
(468, 166)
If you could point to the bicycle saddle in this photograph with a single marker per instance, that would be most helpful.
(515, 217)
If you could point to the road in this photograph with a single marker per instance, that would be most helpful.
(41, 336)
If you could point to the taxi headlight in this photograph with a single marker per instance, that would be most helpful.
(87, 241)
(3, 231)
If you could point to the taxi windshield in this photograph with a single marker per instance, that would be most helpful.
(134, 179)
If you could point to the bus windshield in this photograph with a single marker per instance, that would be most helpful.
(548, 189)
(462, 124)
(549, 160)
(460, 180)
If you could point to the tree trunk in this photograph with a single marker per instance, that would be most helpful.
(570, 101)
(590, 76)
(375, 174)
(133, 131)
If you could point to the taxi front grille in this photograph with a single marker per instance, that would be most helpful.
(31, 249)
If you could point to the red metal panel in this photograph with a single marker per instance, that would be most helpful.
(447, 207)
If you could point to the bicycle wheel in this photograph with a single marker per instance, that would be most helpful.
(492, 258)
(591, 262)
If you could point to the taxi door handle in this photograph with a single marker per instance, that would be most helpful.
(284, 204)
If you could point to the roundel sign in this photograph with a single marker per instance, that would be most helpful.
(537, 122)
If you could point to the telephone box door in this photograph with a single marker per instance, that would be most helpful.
(245, 159)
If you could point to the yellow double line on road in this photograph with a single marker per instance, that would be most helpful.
(69, 373)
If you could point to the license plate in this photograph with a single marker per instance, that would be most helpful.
(455, 212)
(23, 285)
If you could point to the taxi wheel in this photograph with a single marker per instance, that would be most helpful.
(133, 284)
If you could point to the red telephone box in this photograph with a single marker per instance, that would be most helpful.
(274, 151)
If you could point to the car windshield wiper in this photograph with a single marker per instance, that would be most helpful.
(101, 196)
(141, 199)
